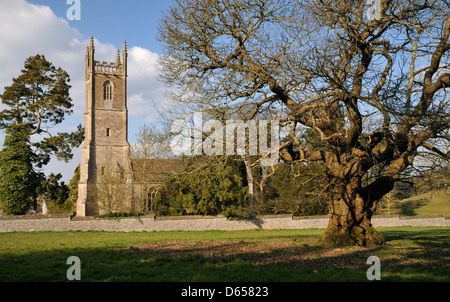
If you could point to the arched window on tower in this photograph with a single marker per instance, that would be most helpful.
(108, 91)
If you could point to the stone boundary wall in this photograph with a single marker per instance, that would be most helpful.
(60, 223)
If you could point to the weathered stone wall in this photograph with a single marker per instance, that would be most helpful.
(195, 223)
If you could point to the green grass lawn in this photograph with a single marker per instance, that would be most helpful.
(411, 254)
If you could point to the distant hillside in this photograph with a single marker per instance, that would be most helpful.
(431, 203)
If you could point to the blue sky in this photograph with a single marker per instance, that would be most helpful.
(113, 21)
(29, 27)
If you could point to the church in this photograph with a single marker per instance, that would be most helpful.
(109, 179)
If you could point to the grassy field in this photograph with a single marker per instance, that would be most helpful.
(411, 254)
(432, 203)
(427, 204)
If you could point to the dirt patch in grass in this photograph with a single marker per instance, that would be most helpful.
(293, 252)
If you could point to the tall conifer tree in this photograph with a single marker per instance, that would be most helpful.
(17, 177)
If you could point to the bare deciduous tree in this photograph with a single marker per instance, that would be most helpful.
(111, 193)
(373, 89)
(151, 144)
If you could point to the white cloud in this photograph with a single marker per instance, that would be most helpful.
(145, 90)
(31, 30)
(142, 63)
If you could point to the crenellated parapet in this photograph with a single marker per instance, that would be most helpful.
(119, 67)
(108, 68)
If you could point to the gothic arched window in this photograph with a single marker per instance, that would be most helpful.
(108, 91)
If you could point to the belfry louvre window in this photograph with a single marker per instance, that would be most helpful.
(108, 91)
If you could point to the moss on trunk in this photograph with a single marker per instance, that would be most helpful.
(350, 219)
(363, 234)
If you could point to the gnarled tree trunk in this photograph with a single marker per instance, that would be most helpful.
(350, 211)
(350, 223)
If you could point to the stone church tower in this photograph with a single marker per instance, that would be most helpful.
(105, 149)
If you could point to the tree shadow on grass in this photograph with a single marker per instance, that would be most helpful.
(409, 207)
(428, 238)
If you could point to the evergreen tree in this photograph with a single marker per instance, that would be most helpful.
(55, 193)
(17, 177)
(73, 190)
(295, 189)
(38, 100)
(208, 186)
